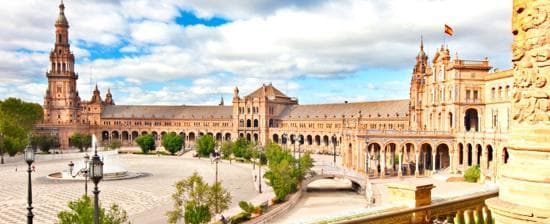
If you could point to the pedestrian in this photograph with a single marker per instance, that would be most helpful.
(33, 168)
(255, 177)
(222, 219)
(15, 168)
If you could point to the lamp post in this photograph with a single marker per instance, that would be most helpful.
(29, 158)
(96, 174)
(83, 171)
(1, 148)
(216, 156)
(260, 169)
(334, 146)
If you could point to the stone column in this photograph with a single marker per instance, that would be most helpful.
(524, 185)
(399, 171)
(434, 154)
(383, 164)
(452, 159)
(417, 159)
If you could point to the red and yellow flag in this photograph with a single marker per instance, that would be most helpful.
(448, 30)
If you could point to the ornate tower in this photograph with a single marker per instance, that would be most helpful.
(417, 88)
(525, 183)
(61, 103)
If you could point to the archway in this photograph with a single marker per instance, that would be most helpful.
(248, 137)
(276, 138)
(425, 157)
(442, 158)
(471, 120)
(478, 155)
(505, 155)
(125, 135)
(155, 135)
(219, 137)
(325, 140)
(248, 123)
(489, 156)
(104, 136)
(317, 140)
(374, 157)
(191, 136)
(292, 139)
(134, 135)
(228, 136)
(460, 153)
(256, 137)
(144, 133)
(284, 139)
(469, 154)
(115, 135)
(301, 139)
(255, 123)
(309, 140)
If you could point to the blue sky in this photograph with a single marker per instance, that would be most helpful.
(193, 52)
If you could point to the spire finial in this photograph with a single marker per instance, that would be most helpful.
(421, 43)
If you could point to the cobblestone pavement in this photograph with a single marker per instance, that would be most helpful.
(146, 199)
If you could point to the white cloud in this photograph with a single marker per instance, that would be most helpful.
(267, 40)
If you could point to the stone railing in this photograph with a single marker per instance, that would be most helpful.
(278, 209)
(461, 210)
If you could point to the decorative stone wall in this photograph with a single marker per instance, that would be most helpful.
(525, 181)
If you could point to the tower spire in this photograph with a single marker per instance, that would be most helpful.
(421, 43)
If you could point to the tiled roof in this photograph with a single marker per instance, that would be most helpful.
(270, 91)
(168, 112)
(373, 109)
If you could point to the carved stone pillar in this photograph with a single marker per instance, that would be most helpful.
(417, 159)
(523, 196)
(383, 165)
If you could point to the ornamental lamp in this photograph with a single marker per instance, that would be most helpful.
(96, 169)
(29, 155)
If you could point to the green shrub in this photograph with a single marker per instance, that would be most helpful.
(172, 142)
(240, 218)
(206, 145)
(472, 174)
(146, 143)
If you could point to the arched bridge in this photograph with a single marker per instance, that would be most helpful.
(322, 171)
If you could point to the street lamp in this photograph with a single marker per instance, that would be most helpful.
(216, 156)
(260, 169)
(2, 148)
(334, 146)
(29, 158)
(96, 174)
(83, 171)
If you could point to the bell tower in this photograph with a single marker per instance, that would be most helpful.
(61, 103)
(417, 89)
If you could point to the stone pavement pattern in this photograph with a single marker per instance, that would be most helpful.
(146, 199)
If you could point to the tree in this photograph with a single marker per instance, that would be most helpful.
(218, 198)
(227, 149)
(196, 201)
(205, 145)
(285, 172)
(172, 142)
(82, 210)
(472, 174)
(81, 141)
(44, 142)
(17, 119)
(243, 148)
(114, 144)
(146, 143)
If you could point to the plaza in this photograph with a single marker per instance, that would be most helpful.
(146, 199)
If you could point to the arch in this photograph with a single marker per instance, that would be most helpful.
(125, 136)
(255, 123)
(284, 139)
(256, 137)
(241, 135)
(309, 140)
(505, 155)
(460, 153)
(270, 123)
(471, 120)
(248, 123)
(241, 123)
(276, 138)
(425, 157)
(292, 139)
(248, 137)
(191, 136)
(135, 135)
(143, 133)
(442, 157)
(104, 136)
(479, 151)
(317, 140)
(228, 136)
(489, 149)
(155, 135)
(301, 139)
(115, 135)
(469, 154)
(325, 140)
(201, 134)
(162, 134)
(219, 136)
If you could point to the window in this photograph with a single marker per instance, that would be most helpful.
(468, 94)
(475, 95)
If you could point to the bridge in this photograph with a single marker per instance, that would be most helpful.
(329, 171)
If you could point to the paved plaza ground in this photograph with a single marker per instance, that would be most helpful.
(146, 199)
